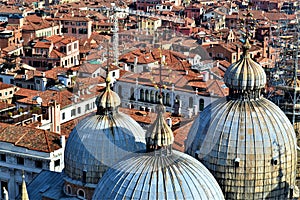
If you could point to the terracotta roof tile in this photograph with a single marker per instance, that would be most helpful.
(30, 138)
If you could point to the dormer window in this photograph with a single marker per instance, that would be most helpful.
(81, 193)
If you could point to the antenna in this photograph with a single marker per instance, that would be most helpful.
(115, 31)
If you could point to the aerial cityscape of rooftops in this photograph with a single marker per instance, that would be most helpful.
(149, 99)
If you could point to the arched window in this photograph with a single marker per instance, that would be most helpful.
(163, 98)
(191, 102)
(81, 193)
(68, 189)
(168, 99)
(156, 97)
(151, 96)
(132, 94)
(147, 96)
(201, 104)
(142, 95)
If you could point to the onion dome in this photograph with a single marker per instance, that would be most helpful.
(246, 141)
(109, 100)
(159, 134)
(100, 140)
(245, 74)
(159, 174)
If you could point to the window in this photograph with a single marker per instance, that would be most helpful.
(57, 163)
(63, 116)
(73, 112)
(69, 48)
(168, 99)
(39, 164)
(79, 110)
(82, 31)
(81, 193)
(38, 82)
(191, 102)
(3, 157)
(142, 95)
(74, 30)
(20, 161)
(201, 104)
(147, 96)
(64, 30)
(75, 45)
(132, 94)
(69, 189)
(152, 96)
(87, 107)
(10, 92)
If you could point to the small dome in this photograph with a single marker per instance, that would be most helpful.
(248, 145)
(98, 142)
(146, 176)
(159, 133)
(109, 99)
(246, 74)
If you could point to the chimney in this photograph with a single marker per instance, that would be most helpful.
(205, 76)
(265, 48)
(55, 117)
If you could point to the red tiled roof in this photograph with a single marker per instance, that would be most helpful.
(30, 138)
(5, 86)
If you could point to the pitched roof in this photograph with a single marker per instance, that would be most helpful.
(30, 138)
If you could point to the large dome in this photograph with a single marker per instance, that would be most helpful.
(148, 176)
(246, 141)
(101, 140)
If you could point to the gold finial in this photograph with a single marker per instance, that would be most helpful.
(24, 194)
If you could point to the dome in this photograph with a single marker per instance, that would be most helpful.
(109, 99)
(161, 173)
(246, 141)
(177, 176)
(159, 134)
(101, 140)
(245, 74)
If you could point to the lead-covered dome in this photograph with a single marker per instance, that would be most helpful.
(101, 140)
(161, 173)
(245, 140)
(177, 176)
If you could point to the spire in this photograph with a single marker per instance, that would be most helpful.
(109, 100)
(159, 136)
(24, 194)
